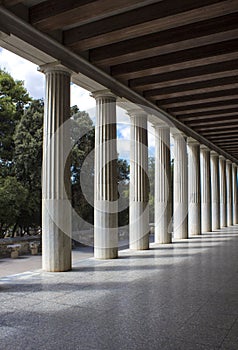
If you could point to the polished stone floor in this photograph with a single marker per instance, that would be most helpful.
(179, 296)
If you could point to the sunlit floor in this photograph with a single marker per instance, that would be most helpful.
(178, 296)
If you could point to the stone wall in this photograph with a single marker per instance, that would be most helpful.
(23, 241)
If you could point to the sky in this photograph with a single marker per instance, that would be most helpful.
(34, 82)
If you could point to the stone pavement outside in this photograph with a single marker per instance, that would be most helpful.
(180, 296)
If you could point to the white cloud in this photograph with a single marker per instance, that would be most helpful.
(21, 69)
(34, 81)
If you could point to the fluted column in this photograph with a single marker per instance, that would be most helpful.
(105, 189)
(222, 173)
(234, 190)
(194, 188)
(56, 208)
(229, 192)
(139, 185)
(162, 184)
(215, 197)
(180, 186)
(205, 189)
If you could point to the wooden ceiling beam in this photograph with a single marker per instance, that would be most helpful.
(139, 67)
(197, 97)
(232, 137)
(214, 120)
(193, 74)
(218, 101)
(192, 79)
(215, 133)
(185, 37)
(207, 110)
(154, 18)
(232, 111)
(53, 14)
(208, 116)
(225, 126)
(195, 94)
(192, 86)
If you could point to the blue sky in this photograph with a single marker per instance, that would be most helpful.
(22, 69)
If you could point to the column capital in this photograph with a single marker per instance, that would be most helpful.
(192, 142)
(178, 133)
(214, 154)
(204, 148)
(137, 113)
(222, 157)
(55, 66)
(234, 165)
(103, 94)
(228, 161)
(160, 124)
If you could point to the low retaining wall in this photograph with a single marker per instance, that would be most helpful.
(23, 241)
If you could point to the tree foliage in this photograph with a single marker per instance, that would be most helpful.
(13, 98)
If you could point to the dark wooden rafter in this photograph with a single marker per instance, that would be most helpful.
(197, 97)
(214, 119)
(209, 110)
(178, 76)
(183, 57)
(192, 86)
(216, 122)
(53, 14)
(150, 19)
(210, 31)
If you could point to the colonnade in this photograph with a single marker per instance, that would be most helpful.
(204, 182)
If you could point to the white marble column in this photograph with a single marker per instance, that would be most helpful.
(139, 184)
(222, 173)
(229, 192)
(234, 190)
(215, 191)
(105, 182)
(180, 186)
(194, 188)
(205, 189)
(162, 183)
(56, 206)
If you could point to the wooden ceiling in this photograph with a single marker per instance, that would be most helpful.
(180, 55)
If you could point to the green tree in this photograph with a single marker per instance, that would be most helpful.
(13, 197)
(13, 98)
(28, 140)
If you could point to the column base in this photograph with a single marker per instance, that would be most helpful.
(105, 253)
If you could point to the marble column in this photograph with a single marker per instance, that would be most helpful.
(105, 178)
(222, 173)
(215, 191)
(234, 190)
(205, 189)
(180, 186)
(139, 184)
(229, 192)
(56, 206)
(194, 188)
(162, 184)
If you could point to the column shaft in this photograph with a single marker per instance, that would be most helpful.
(215, 191)
(180, 187)
(194, 188)
(139, 186)
(105, 189)
(229, 192)
(56, 207)
(205, 189)
(222, 173)
(234, 190)
(162, 184)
